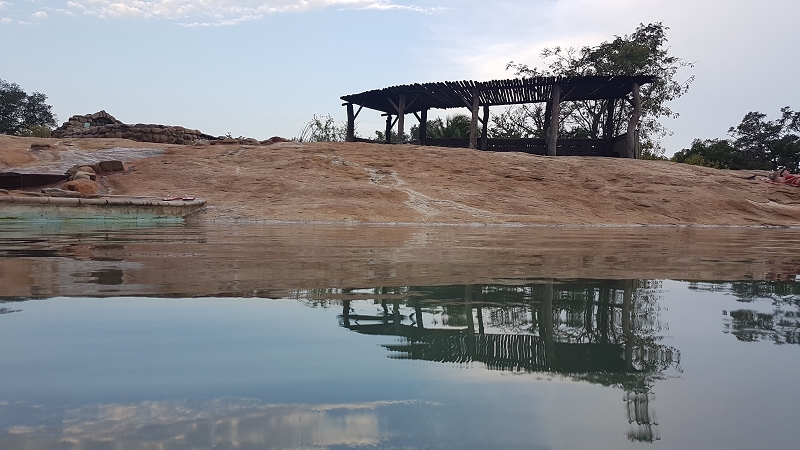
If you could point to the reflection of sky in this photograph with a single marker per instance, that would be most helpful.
(137, 355)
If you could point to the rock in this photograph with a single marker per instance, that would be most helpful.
(92, 169)
(83, 176)
(39, 146)
(84, 186)
(273, 140)
(55, 192)
(110, 166)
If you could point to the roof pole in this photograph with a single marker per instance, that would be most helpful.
(388, 128)
(552, 127)
(634, 122)
(473, 129)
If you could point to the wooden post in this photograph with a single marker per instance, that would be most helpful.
(473, 129)
(634, 122)
(608, 130)
(485, 130)
(552, 126)
(401, 113)
(627, 330)
(351, 124)
(423, 127)
(388, 128)
(546, 323)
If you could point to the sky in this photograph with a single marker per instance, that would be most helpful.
(261, 68)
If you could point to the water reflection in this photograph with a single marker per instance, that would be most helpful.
(775, 312)
(605, 332)
(268, 261)
(222, 423)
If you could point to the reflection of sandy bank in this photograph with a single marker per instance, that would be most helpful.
(267, 261)
(215, 424)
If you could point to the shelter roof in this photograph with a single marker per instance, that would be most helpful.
(458, 94)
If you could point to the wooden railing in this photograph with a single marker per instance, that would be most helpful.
(566, 147)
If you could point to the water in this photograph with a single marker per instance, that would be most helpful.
(184, 337)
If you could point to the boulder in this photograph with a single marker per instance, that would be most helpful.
(110, 166)
(83, 176)
(90, 169)
(84, 186)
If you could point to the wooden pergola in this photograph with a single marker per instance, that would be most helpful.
(397, 101)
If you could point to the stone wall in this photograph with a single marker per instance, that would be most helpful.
(104, 125)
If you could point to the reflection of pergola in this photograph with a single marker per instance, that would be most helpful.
(397, 101)
(612, 354)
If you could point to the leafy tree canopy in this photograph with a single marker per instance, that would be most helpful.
(24, 114)
(756, 143)
(644, 52)
(452, 127)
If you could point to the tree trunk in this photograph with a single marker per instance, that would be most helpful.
(634, 122)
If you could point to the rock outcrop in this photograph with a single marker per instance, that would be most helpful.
(104, 125)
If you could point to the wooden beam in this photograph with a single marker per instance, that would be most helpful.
(423, 127)
(485, 130)
(634, 122)
(473, 128)
(351, 124)
(552, 126)
(411, 103)
(394, 105)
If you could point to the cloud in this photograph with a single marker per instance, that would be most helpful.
(40, 15)
(5, 20)
(223, 12)
(4, 4)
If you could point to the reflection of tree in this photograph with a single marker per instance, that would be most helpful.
(781, 325)
(603, 332)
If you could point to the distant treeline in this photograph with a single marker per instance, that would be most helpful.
(756, 143)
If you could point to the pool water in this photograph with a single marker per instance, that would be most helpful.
(290, 336)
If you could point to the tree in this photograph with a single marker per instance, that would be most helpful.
(452, 127)
(22, 114)
(756, 143)
(716, 153)
(769, 144)
(644, 52)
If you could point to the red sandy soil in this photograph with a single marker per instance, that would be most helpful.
(374, 183)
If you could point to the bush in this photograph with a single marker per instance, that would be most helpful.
(322, 129)
(39, 131)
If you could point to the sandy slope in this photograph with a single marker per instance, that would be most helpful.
(342, 182)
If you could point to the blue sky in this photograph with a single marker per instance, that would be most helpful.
(260, 68)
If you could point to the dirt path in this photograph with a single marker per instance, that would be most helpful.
(358, 182)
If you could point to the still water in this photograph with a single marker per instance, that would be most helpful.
(309, 337)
